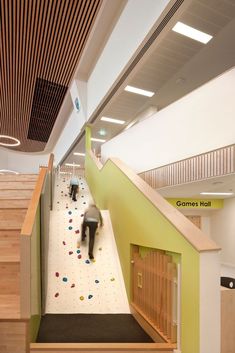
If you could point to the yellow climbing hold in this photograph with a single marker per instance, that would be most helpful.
(112, 279)
(82, 297)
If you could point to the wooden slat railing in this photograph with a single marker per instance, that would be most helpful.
(153, 287)
(212, 164)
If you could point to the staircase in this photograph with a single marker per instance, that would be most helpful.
(15, 194)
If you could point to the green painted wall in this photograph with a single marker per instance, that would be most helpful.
(136, 221)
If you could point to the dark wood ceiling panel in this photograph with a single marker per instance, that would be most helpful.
(39, 40)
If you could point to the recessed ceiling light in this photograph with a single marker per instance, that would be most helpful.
(97, 140)
(79, 154)
(102, 132)
(111, 120)
(3, 171)
(17, 142)
(72, 165)
(191, 32)
(217, 193)
(143, 92)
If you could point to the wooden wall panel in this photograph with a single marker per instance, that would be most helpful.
(13, 337)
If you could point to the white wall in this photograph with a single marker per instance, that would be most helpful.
(223, 231)
(135, 22)
(22, 162)
(199, 122)
(210, 302)
(75, 121)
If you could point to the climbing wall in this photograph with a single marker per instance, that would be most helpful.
(75, 283)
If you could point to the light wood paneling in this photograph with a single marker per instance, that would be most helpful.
(13, 337)
(9, 246)
(100, 347)
(10, 278)
(9, 306)
(196, 220)
(227, 320)
(208, 165)
(12, 218)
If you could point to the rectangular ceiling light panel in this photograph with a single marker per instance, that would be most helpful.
(97, 140)
(111, 120)
(191, 32)
(79, 154)
(217, 193)
(136, 90)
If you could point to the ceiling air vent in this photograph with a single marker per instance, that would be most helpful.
(47, 100)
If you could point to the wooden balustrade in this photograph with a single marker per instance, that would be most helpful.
(212, 164)
(153, 283)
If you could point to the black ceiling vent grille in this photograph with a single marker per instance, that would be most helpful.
(47, 100)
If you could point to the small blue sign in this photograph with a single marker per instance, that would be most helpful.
(77, 104)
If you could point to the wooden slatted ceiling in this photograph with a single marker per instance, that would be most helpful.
(39, 40)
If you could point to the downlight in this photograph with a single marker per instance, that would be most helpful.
(15, 143)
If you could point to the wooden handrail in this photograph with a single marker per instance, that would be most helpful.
(50, 163)
(28, 224)
(188, 230)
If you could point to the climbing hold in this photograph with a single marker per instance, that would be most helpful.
(112, 279)
(57, 274)
(81, 298)
(64, 243)
(78, 251)
(84, 203)
(70, 221)
(70, 227)
(72, 285)
(77, 231)
(87, 261)
(78, 244)
(92, 260)
(70, 212)
(82, 215)
(82, 196)
(65, 279)
(97, 281)
(90, 296)
(70, 252)
(100, 249)
(79, 256)
(56, 295)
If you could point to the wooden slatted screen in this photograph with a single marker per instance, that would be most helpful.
(153, 290)
(39, 40)
(208, 165)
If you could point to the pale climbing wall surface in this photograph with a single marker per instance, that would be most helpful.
(75, 283)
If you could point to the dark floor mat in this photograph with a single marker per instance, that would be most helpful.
(75, 328)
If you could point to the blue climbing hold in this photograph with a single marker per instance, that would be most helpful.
(65, 279)
(70, 227)
(78, 251)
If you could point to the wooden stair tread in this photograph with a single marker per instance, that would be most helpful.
(18, 177)
(9, 306)
(17, 185)
(15, 194)
(24, 203)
